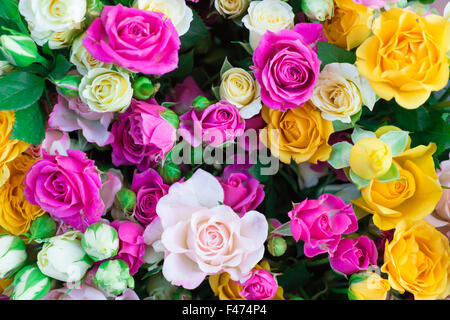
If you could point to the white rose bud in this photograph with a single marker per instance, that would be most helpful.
(19, 50)
(30, 284)
(113, 276)
(231, 9)
(12, 254)
(100, 241)
(340, 92)
(239, 88)
(272, 15)
(318, 9)
(105, 90)
(176, 10)
(63, 258)
(82, 59)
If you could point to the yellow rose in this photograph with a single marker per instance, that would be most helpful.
(412, 197)
(350, 25)
(300, 134)
(16, 213)
(368, 286)
(406, 58)
(418, 260)
(9, 148)
(227, 289)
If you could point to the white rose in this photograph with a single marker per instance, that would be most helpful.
(176, 10)
(105, 90)
(63, 258)
(239, 88)
(83, 60)
(46, 17)
(12, 254)
(340, 92)
(231, 8)
(100, 241)
(60, 40)
(272, 15)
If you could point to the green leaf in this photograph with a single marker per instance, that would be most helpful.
(185, 66)
(19, 90)
(197, 32)
(392, 174)
(358, 181)
(412, 120)
(330, 53)
(29, 125)
(284, 230)
(341, 126)
(359, 134)
(295, 277)
(225, 66)
(216, 92)
(9, 10)
(396, 140)
(355, 118)
(61, 67)
(245, 45)
(171, 117)
(340, 156)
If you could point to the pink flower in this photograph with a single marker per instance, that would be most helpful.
(286, 67)
(242, 191)
(250, 141)
(67, 187)
(149, 188)
(353, 255)
(139, 40)
(55, 142)
(184, 94)
(112, 183)
(131, 244)
(320, 223)
(260, 286)
(203, 237)
(141, 135)
(374, 4)
(82, 292)
(73, 114)
(215, 125)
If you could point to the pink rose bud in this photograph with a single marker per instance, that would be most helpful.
(260, 286)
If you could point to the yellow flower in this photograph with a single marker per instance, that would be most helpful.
(227, 289)
(9, 149)
(368, 287)
(418, 260)
(370, 158)
(412, 197)
(350, 25)
(406, 58)
(300, 134)
(16, 213)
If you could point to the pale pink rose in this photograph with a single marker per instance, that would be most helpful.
(111, 184)
(203, 237)
(55, 142)
(82, 292)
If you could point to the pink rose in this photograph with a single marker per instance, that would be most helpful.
(81, 292)
(112, 183)
(374, 4)
(67, 187)
(149, 188)
(286, 66)
(55, 142)
(139, 40)
(141, 135)
(203, 237)
(260, 286)
(131, 244)
(73, 114)
(353, 255)
(320, 223)
(184, 94)
(215, 125)
(242, 191)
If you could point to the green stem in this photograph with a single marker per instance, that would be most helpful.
(440, 105)
(303, 293)
(317, 262)
(318, 294)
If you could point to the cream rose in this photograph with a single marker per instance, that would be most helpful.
(240, 89)
(203, 237)
(176, 10)
(231, 8)
(340, 92)
(83, 60)
(272, 15)
(105, 90)
(46, 17)
(60, 40)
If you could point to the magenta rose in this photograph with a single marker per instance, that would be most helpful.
(260, 286)
(67, 187)
(139, 40)
(353, 255)
(242, 191)
(141, 135)
(149, 188)
(215, 125)
(286, 66)
(320, 223)
(131, 244)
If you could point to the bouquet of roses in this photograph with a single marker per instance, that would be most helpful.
(227, 149)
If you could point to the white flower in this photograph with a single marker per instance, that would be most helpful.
(100, 241)
(240, 89)
(176, 10)
(340, 92)
(60, 40)
(82, 59)
(203, 237)
(63, 258)
(12, 254)
(231, 8)
(272, 15)
(105, 90)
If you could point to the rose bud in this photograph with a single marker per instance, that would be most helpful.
(30, 284)
(277, 246)
(260, 286)
(126, 199)
(19, 49)
(143, 88)
(113, 276)
(100, 241)
(12, 254)
(68, 85)
(368, 286)
(201, 103)
(318, 9)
